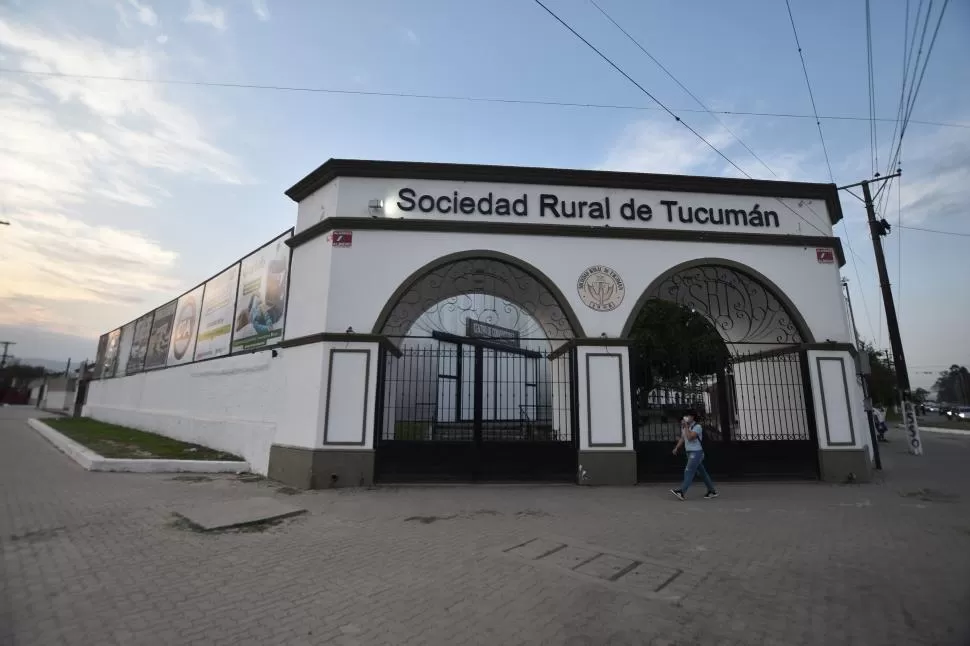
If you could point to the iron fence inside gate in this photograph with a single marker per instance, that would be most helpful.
(476, 410)
(753, 406)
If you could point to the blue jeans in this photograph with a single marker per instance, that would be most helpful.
(695, 464)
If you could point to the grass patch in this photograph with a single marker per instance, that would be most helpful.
(411, 430)
(112, 441)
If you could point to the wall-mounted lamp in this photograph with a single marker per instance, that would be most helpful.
(375, 208)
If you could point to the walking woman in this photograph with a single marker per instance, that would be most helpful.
(691, 436)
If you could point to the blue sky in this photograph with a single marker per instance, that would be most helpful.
(122, 195)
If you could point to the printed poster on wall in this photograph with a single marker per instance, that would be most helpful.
(99, 357)
(161, 336)
(139, 344)
(186, 325)
(124, 348)
(111, 355)
(218, 303)
(261, 301)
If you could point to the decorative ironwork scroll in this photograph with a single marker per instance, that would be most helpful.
(481, 289)
(738, 305)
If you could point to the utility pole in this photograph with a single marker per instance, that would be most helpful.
(3, 358)
(878, 229)
(864, 371)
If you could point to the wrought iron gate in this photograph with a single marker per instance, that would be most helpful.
(755, 408)
(460, 408)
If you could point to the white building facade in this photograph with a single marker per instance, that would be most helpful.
(572, 258)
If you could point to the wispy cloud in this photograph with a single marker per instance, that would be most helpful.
(939, 188)
(260, 9)
(67, 148)
(145, 14)
(651, 146)
(206, 14)
(411, 36)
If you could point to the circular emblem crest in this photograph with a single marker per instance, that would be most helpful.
(601, 288)
(184, 328)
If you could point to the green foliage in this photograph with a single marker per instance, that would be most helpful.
(920, 395)
(673, 343)
(882, 382)
(953, 386)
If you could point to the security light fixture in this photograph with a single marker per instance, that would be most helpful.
(376, 208)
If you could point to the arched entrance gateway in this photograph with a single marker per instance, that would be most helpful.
(459, 322)
(713, 337)
(471, 392)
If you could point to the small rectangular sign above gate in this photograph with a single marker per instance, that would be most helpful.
(342, 238)
(825, 256)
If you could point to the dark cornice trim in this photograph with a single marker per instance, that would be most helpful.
(335, 168)
(830, 346)
(595, 341)
(341, 337)
(571, 231)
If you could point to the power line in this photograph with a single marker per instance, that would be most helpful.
(915, 85)
(925, 230)
(855, 267)
(640, 87)
(454, 97)
(811, 95)
(873, 140)
(681, 85)
(899, 239)
(668, 110)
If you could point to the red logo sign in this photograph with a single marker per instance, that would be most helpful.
(342, 238)
(825, 256)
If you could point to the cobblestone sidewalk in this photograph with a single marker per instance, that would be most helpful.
(97, 558)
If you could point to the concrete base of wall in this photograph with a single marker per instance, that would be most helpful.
(617, 468)
(845, 465)
(321, 468)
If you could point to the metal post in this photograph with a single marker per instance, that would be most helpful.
(877, 230)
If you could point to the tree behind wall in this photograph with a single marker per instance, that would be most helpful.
(882, 380)
(953, 386)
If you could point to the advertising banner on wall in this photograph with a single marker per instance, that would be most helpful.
(161, 336)
(111, 355)
(218, 303)
(261, 300)
(124, 348)
(139, 344)
(99, 357)
(186, 325)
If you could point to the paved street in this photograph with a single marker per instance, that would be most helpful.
(96, 558)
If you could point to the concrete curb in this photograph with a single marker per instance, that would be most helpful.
(94, 462)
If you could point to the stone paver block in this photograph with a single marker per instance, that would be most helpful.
(238, 513)
(536, 548)
(569, 557)
(648, 578)
(608, 567)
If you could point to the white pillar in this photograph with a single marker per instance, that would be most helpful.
(606, 425)
(845, 451)
(326, 435)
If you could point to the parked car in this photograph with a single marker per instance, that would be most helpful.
(931, 407)
(962, 413)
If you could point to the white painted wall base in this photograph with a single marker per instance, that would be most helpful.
(94, 462)
(231, 404)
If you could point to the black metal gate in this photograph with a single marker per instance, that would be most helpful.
(755, 408)
(468, 409)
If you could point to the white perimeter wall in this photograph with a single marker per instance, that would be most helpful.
(231, 404)
(58, 400)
